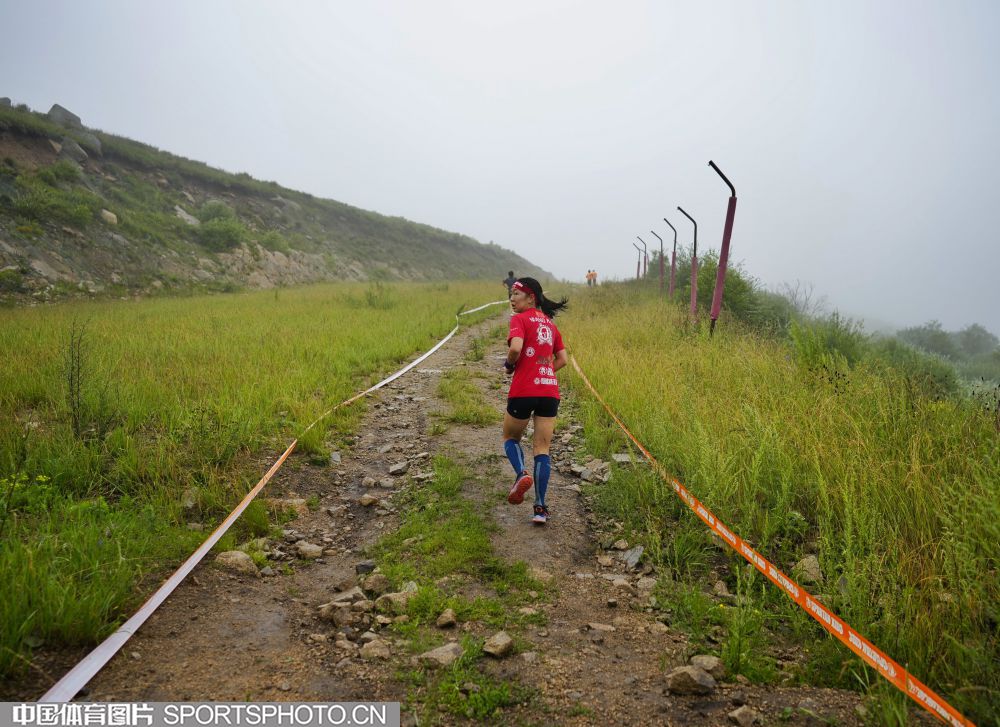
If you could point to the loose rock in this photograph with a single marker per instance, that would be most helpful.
(308, 551)
(375, 649)
(443, 656)
(690, 680)
(808, 571)
(447, 619)
(744, 716)
(632, 557)
(238, 561)
(376, 584)
(499, 645)
(712, 664)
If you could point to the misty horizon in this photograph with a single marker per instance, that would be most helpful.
(860, 139)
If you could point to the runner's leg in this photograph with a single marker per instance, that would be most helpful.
(541, 443)
(513, 430)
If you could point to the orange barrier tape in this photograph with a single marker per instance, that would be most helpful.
(852, 639)
(76, 679)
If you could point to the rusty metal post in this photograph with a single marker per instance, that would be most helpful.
(694, 266)
(661, 260)
(727, 233)
(673, 261)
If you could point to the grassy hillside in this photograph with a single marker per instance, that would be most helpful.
(174, 222)
(893, 484)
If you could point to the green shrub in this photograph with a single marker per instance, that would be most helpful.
(216, 209)
(275, 242)
(38, 201)
(221, 234)
(61, 171)
(931, 375)
(819, 340)
(11, 281)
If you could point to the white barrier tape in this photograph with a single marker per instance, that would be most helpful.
(76, 679)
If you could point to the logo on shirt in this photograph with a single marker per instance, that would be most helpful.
(544, 335)
(529, 351)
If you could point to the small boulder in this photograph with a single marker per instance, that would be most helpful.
(71, 150)
(90, 141)
(443, 656)
(394, 602)
(807, 570)
(110, 217)
(498, 645)
(376, 584)
(712, 664)
(365, 566)
(645, 584)
(375, 649)
(744, 716)
(308, 551)
(690, 680)
(632, 557)
(64, 117)
(238, 561)
(399, 468)
(184, 215)
(368, 499)
(621, 458)
(340, 613)
(447, 619)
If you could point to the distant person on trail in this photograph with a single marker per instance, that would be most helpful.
(535, 353)
(509, 281)
(590, 278)
(593, 277)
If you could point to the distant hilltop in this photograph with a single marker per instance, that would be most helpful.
(85, 211)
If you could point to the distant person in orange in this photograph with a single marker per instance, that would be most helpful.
(590, 278)
(593, 278)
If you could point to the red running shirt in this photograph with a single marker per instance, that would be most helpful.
(533, 374)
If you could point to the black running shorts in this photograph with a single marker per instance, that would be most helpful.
(522, 407)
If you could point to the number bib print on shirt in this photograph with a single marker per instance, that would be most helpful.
(533, 374)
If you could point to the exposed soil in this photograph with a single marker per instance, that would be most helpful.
(223, 636)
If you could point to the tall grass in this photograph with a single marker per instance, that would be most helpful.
(896, 491)
(170, 410)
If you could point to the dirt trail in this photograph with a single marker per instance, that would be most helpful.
(224, 636)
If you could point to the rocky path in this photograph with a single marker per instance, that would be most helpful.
(595, 654)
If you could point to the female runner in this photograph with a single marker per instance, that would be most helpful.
(535, 353)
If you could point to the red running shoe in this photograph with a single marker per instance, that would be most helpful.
(523, 484)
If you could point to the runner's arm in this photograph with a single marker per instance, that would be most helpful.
(561, 359)
(514, 352)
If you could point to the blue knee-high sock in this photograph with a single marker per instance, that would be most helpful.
(515, 454)
(542, 469)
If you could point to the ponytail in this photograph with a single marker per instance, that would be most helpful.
(547, 306)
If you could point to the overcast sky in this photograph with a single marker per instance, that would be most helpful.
(863, 137)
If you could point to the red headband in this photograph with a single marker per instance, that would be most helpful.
(518, 285)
